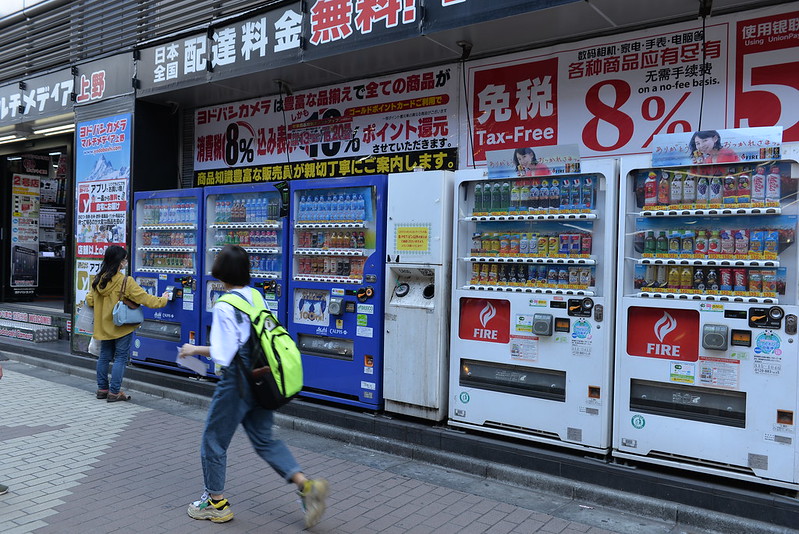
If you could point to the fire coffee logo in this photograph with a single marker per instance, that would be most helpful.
(657, 333)
(485, 320)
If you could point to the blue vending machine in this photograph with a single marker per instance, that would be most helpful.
(249, 216)
(335, 297)
(166, 241)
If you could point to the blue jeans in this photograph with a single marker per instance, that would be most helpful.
(232, 404)
(118, 350)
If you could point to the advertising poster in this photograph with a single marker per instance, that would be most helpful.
(310, 307)
(614, 95)
(24, 230)
(717, 146)
(102, 172)
(85, 271)
(392, 124)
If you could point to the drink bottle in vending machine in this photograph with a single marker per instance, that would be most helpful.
(165, 257)
(335, 293)
(706, 349)
(247, 215)
(532, 306)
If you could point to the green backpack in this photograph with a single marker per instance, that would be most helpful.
(275, 375)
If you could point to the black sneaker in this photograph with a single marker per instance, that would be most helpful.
(102, 393)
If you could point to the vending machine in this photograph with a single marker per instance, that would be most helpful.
(706, 349)
(533, 288)
(335, 297)
(168, 232)
(418, 268)
(249, 216)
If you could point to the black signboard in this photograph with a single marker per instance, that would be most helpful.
(103, 79)
(48, 95)
(268, 40)
(447, 14)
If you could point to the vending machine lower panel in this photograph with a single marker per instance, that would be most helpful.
(709, 388)
(532, 367)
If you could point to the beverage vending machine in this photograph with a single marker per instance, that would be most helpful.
(706, 349)
(167, 235)
(418, 268)
(335, 298)
(249, 216)
(533, 287)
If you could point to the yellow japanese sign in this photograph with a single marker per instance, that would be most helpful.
(413, 238)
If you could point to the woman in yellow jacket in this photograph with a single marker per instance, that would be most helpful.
(115, 340)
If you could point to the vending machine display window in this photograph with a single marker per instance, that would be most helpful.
(166, 231)
(334, 234)
(252, 221)
(702, 233)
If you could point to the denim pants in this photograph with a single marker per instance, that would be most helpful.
(118, 350)
(232, 404)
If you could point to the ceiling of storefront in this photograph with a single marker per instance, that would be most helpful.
(570, 22)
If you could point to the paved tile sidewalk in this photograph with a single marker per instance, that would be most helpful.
(79, 465)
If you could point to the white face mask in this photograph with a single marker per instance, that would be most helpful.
(122, 270)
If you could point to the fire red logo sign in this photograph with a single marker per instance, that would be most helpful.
(657, 333)
(485, 320)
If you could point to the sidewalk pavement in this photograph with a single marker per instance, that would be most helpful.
(75, 464)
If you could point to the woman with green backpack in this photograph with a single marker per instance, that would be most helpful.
(234, 403)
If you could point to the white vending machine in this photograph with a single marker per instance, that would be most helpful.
(532, 305)
(706, 347)
(418, 267)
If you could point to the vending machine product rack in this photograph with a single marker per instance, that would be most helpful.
(246, 215)
(336, 288)
(532, 306)
(166, 257)
(706, 365)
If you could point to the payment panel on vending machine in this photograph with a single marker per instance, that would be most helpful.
(532, 305)
(706, 346)
(166, 243)
(335, 298)
(249, 216)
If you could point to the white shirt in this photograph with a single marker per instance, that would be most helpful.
(227, 334)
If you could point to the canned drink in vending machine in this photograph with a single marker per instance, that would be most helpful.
(543, 246)
(552, 276)
(574, 276)
(585, 244)
(725, 279)
(543, 273)
(740, 280)
(769, 281)
(554, 243)
(563, 276)
(565, 244)
(575, 246)
(585, 277)
(755, 282)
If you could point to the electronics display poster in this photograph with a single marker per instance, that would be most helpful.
(102, 171)
(85, 271)
(102, 175)
(365, 126)
(24, 230)
(613, 95)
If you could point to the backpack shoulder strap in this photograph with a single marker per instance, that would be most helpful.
(253, 310)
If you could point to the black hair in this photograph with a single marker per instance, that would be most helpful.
(704, 134)
(523, 152)
(232, 266)
(114, 256)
